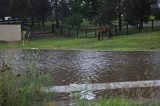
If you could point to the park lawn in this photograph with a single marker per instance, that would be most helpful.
(135, 42)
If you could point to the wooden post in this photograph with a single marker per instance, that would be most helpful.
(110, 31)
(53, 26)
(69, 32)
(39, 25)
(86, 33)
(137, 24)
(61, 29)
(127, 29)
(152, 24)
(115, 30)
(95, 33)
(30, 26)
(77, 32)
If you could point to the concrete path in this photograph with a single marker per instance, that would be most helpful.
(102, 86)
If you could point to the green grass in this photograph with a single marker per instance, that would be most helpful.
(135, 42)
(24, 89)
(118, 102)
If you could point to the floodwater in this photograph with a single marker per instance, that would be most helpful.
(87, 67)
(78, 67)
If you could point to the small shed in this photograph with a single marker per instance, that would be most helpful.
(9, 32)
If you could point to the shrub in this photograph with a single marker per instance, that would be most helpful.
(25, 89)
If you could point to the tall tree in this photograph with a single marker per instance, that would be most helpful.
(55, 8)
(138, 11)
(64, 9)
(45, 10)
(4, 8)
(108, 12)
(20, 8)
(120, 11)
(156, 10)
(91, 8)
(76, 6)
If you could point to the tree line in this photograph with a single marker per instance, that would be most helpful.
(72, 12)
(26, 9)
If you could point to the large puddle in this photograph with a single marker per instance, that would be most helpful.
(95, 69)
(76, 67)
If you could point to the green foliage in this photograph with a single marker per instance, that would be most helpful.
(138, 10)
(76, 6)
(4, 8)
(75, 19)
(108, 102)
(118, 102)
(108, 12)
(24, 89)
(152, 17)
(91, 8)
(19, 8)
(156, 12)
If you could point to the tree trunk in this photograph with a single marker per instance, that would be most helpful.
(120, 22)
(140, 25)
(33, 21)
(56, 14)
(137, 24)
(43, 21)
(100, 24)
(120, 15)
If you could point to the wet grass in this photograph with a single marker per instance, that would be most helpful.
(118, 102)
(135, 42)
(24, 89)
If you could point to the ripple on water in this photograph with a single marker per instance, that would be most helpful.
(70, 67)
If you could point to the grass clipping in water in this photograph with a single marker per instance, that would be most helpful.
(23, 90)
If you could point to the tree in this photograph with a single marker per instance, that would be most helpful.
(156, 10)
(91, 8)
(56, 11)
(138, 11)
(34, 10)
(64, 10)
(20, 8)
(4, 8)
(67, 11)
(76, 6)
(120, 12)
(74, 19)
(24, 9)
(45, 10)
(108, 12)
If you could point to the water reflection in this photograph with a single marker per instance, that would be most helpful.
(70, 67)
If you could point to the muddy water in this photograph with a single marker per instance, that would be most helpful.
(68, 67)
(76, 67)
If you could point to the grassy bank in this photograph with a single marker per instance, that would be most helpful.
(119, 102)
(23, 89)
(135, 42)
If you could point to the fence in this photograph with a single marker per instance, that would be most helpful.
(85, 32)
(10, 22)
(114, 30)
(81, 32)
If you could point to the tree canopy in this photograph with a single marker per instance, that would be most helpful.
(100, 11)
